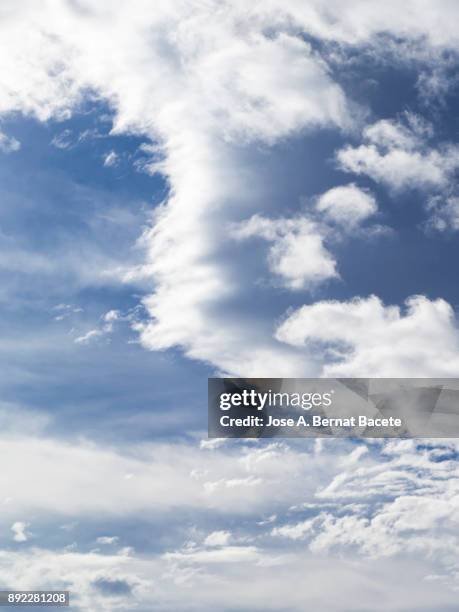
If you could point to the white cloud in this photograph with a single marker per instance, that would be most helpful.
(396, 155)
(298, 254)
(363, 337)
(217, 538)
(409, 495)
(401, 169)
(357, 22)
(111, 316)
(19, 530)
(89, 336)
(296, 531)
(389, 134)
(348, 205)
(109, 319)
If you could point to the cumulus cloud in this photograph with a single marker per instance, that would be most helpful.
(397, 156)
(19, 530)
(347, 205)
(406, 496)
(298, 255)
(217, 538)
(363, 336)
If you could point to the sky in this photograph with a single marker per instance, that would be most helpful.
(201, 188)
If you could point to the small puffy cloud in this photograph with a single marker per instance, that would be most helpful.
(217, 538)
(390, 134)
(111, 159)
(297, 255)
(347, 205)
(112, 315)
(363, 337)
(19, 530)
(400, 157)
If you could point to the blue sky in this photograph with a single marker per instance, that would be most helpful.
(197, 189)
